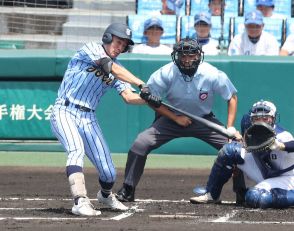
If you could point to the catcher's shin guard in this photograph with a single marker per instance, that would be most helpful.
(219, 175)
(275, 198)
(222, 168)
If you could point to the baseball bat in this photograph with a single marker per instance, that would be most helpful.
(213, 126)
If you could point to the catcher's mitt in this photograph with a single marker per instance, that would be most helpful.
(259, 137)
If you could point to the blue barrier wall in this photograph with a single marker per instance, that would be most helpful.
(30, 79)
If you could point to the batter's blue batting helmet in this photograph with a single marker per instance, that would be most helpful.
(120, 30)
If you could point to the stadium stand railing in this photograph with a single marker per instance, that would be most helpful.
(36, 24)
(45, 26)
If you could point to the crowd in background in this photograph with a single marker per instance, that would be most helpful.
(252, 40)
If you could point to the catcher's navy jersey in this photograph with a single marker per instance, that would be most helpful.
(84, 82)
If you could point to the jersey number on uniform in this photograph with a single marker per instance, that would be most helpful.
(101, 74)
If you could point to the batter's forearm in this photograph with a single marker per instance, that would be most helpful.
(131, 97)
(124, 75)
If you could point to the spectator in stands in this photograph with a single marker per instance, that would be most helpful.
(172, 6)
(153, 30)
(267, 8)
(215, 7)
(202, 25)
(288, 47)
(254, 40)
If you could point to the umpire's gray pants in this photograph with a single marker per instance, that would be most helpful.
(162, 131)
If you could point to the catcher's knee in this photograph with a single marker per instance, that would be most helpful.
(230, 155)
(282, 198)
(258, 198)
(275, 198)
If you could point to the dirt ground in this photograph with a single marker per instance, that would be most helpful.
(39, 199)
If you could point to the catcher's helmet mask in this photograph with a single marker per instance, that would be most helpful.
(119, 30)
(187, 47)
(264, 109)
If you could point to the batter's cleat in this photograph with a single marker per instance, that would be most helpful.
(111, 202)
(126, 194)
(204, 199)
(84, 208)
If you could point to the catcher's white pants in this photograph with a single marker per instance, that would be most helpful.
(251, 170)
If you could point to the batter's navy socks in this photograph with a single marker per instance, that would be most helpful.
(126, 193)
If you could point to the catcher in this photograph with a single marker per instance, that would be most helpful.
(266, 156)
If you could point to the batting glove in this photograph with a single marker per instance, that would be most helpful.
(145, 92)
(154, 101)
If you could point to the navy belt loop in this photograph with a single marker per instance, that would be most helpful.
(82, 108)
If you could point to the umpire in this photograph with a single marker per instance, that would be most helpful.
(189, 84)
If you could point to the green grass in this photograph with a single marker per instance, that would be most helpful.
(58, 159)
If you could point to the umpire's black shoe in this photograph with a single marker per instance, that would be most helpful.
(126, 194)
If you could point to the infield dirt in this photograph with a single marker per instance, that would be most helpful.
(39, 199)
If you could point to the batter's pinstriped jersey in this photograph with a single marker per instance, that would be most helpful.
(195, 97)
(73, 119)
(84, 82)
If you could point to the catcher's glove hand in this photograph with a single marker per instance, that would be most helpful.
(259, 137)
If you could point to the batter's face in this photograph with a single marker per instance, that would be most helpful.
(267, 11)
(254, 30)
(202, 29)
(215, 7)
(117, 46)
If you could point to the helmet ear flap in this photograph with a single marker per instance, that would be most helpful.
(107, 38)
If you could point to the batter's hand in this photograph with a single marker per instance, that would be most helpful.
(144, 91)
(183, 121)
(154, 101)
(145, 94)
